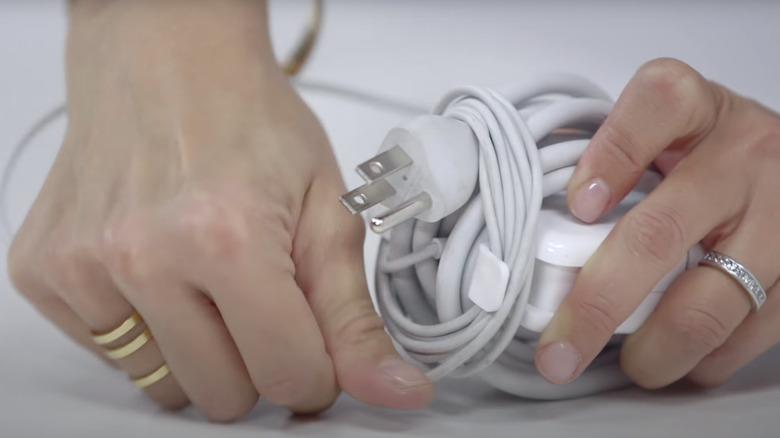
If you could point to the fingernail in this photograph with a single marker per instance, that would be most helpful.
(557, 362)
(402, 375)
(590, 200)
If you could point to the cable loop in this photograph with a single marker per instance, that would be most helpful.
(441, 329)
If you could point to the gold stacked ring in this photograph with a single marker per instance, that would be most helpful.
(153, 377)
(122, 351)
(121, 330)
(131, 347)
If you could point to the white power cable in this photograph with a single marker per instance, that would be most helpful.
(529, 140)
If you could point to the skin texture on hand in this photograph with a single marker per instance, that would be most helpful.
(720, 156)
(195, 187)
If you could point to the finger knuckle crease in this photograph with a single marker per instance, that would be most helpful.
(623, 147)
(700, 330)
(361, 327)
(599, 312)
(657, 234)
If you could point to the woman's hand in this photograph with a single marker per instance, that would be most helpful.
(720, 154)
(195, 188)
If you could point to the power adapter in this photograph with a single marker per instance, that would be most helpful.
(478, 246)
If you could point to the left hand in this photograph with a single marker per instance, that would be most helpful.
(720, 156)
(196, 191)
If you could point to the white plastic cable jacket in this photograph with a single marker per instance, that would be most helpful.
(529, 139)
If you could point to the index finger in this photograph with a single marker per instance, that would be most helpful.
(652, 237)
(644, 245)
(666, 105)
(241, 259)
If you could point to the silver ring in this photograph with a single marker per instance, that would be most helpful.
(738, 272)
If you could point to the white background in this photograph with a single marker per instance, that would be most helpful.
(414, 51)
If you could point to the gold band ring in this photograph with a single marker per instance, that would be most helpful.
(131, 347)
(153, 377)
(123, 329)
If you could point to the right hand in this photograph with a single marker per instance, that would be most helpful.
(719, 154)
(194, 187)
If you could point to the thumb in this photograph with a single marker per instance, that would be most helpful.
(667, 105)
(328, 255)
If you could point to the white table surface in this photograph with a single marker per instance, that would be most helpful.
(415, 51)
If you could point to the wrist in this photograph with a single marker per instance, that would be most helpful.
(203, 40)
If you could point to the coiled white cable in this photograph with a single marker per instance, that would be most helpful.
(529, 140)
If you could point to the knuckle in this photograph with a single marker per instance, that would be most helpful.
(676, 84)
(598, 312)
(126, 253)
(71, 268)
(336, 239)
(65, 263)
(27, 281)
(699, 331)
(655, 235)
(219, 227)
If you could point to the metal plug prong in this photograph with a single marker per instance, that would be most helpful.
(402, 213)
(367, 196)
(384, 164)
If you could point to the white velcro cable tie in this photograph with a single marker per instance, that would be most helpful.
(489, 281)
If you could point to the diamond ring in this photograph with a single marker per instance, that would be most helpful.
(738, 272)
